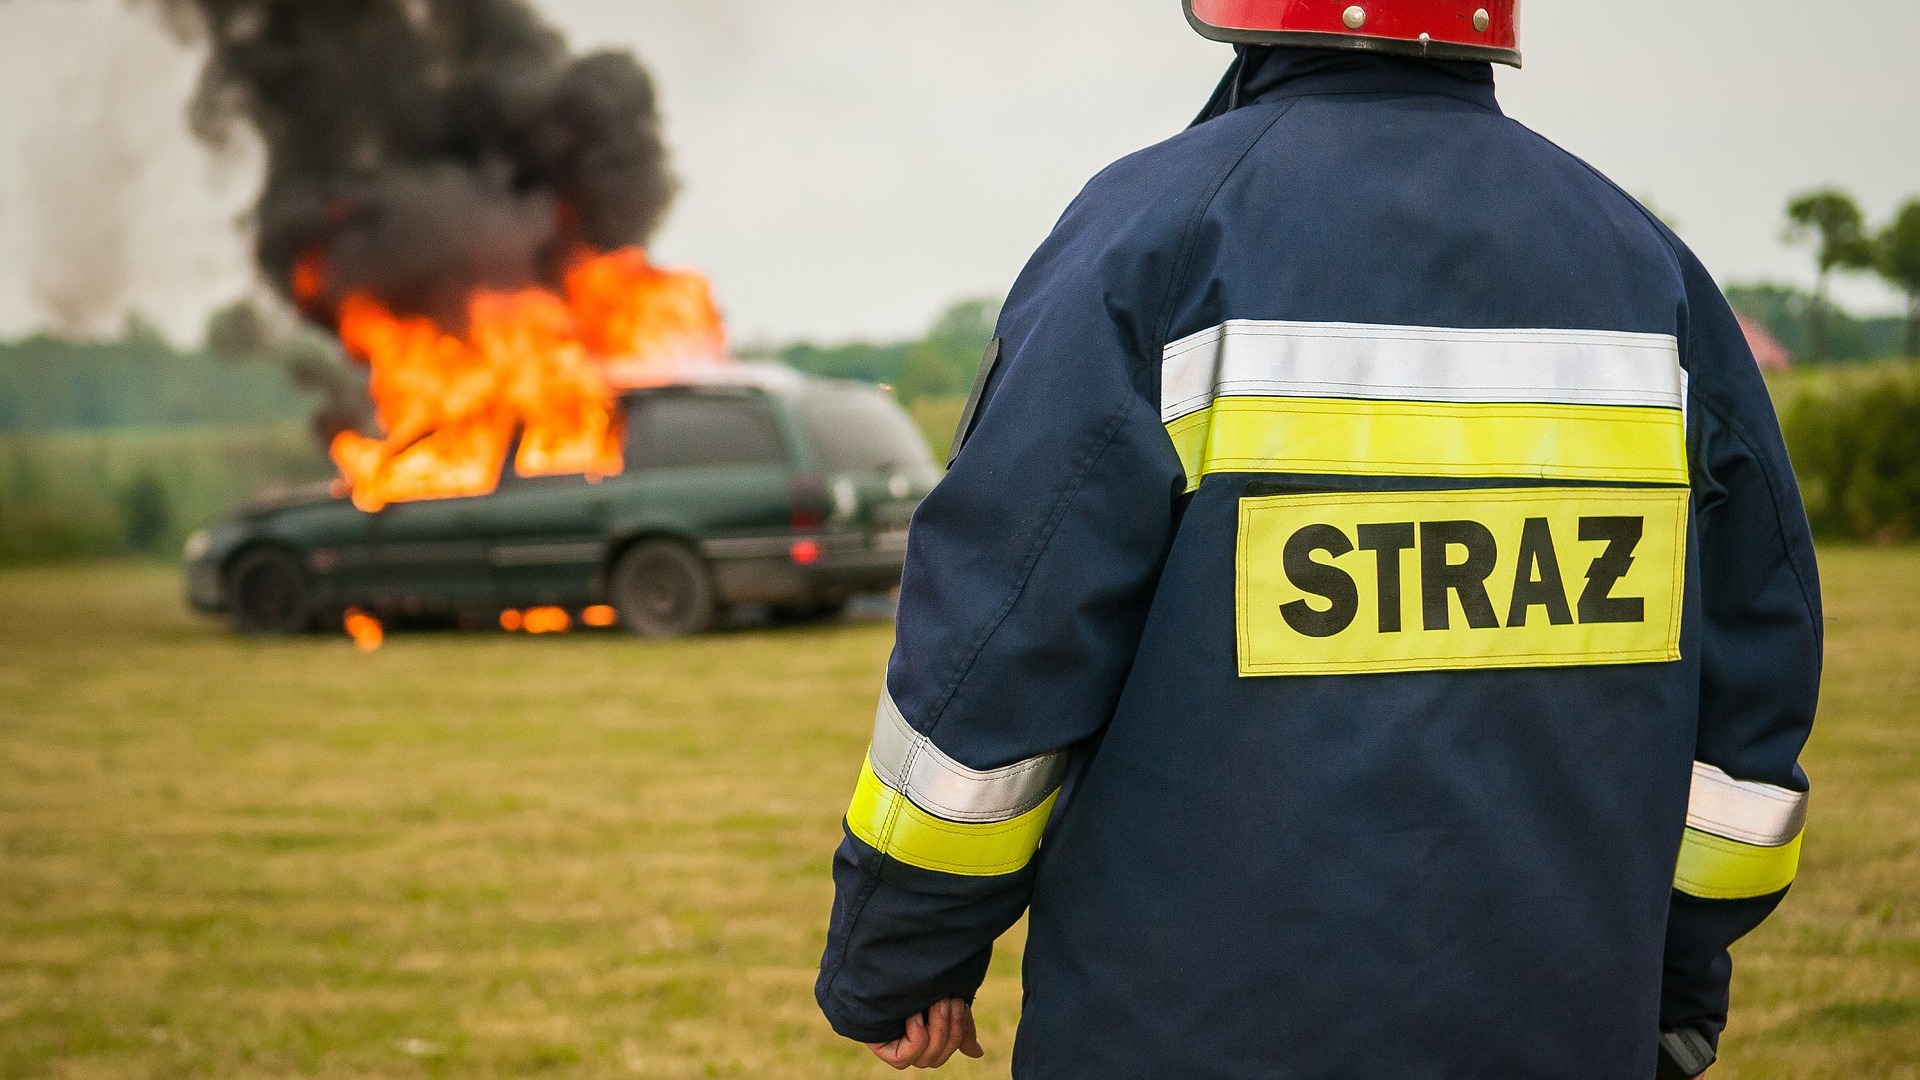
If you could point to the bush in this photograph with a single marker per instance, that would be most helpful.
(1856, 449)
(65, 494)
(146, 513)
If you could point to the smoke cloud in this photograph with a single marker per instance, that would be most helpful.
(87, 167)
(422, 148)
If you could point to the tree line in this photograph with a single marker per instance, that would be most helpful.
(1831, 221)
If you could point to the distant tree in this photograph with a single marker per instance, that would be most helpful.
(1833, 221)
(238, 331)
(146, 514)
(968, 322)
(1897, 256)
(943, 363)
(939, 364)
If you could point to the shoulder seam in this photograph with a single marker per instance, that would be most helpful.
(1659, 227)
(1190, 234)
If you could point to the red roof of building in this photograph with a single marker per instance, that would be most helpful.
(1767, 350)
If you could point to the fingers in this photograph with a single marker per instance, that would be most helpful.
(902, 1052)
(932, 1038)
(969, 1038)
(940, 1029)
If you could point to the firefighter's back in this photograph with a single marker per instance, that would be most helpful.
(1397, 778)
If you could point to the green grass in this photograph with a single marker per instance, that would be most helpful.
(482, 855)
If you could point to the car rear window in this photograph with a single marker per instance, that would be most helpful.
(861, 429)
(677, 430)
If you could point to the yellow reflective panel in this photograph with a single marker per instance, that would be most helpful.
(1715, 868)
(890, 823)
(1189, 435)
(1349, 582)
(1448, 439)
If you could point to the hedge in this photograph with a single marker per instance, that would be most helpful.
(1855, 442)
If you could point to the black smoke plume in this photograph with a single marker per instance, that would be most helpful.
(422, 148)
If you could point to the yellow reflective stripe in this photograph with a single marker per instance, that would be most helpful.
(891, 824)
(1352, 437)
(1189, 435)
(1715, 868)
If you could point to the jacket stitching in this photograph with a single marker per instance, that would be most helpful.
(1190, 236)
(1068, 494)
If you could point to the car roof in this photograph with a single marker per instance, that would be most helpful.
(761, 375)
(740, 374)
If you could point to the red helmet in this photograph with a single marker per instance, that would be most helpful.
(1440, 29)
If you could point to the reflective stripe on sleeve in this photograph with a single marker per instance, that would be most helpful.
(1714, 868)
(916, 804)
(909, 763)
(891, 824)
(1742, 810)
(1743, 838)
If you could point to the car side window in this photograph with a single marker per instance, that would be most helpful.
(670, 431)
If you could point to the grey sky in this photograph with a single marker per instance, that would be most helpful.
(853, 165)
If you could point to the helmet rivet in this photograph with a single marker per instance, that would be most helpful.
(1481, 20)
(1355, 17)
(1425, 38)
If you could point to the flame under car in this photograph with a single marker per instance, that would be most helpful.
(752, 484)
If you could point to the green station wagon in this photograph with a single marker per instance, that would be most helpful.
(753, 485)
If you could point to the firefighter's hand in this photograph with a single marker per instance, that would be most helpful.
(932, 1037)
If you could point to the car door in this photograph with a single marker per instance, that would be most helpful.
(547, 537)
(431, 555)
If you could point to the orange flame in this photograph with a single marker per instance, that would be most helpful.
(551, 620)
(309, 277)
(366, 631)
(547, 620)
(547, 366)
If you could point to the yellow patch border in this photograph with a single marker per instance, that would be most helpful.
(1668, 651)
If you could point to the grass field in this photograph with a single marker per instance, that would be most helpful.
(483, 855)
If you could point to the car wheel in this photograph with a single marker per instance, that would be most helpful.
(663, 590)
(268, 593)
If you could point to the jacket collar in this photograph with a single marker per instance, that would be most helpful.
(1271, 73)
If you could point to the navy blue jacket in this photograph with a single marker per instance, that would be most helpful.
(1372, 628)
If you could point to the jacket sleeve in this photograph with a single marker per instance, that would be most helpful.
(1028, 575)
(1760, 654)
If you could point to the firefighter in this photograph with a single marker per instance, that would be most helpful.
(1370, 626)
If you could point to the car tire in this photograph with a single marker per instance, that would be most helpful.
(268, 593)
(663, 590)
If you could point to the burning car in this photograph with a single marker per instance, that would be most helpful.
(551, 419)
(736, 484)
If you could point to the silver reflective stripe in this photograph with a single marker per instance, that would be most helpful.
(1243, 358)
(910, 764)
(1752, 813)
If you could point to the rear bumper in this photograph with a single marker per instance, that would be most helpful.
(780, 570)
